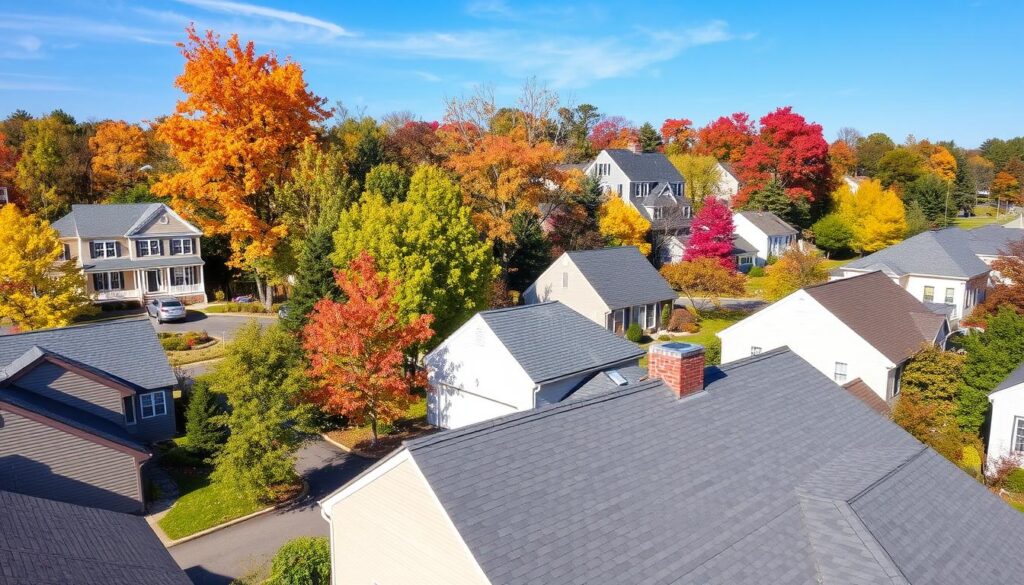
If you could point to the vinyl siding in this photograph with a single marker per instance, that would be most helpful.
(56, 383)
(394, 532)
(579, 295)
(173, 226)
(46, 462)
(159, 428)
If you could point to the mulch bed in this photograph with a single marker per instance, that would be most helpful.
(356, 438)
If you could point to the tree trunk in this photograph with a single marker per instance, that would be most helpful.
(373, 428)
(269, 296)
(259, 288)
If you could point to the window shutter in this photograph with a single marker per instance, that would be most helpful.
(172, 247)
(117, 249)
(161, 245)
(92, 249)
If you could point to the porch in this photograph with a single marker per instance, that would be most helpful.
(647, 316)
(141, 284)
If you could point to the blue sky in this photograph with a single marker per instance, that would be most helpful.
(941, 70)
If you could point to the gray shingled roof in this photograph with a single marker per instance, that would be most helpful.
(741, 246)
(647, 167)
(989, 240)
(97, 221)
(550, 340)
(773, 475)
(601, 382)
(939, 253)
(1015, 378)
(125, 263)
(881, 312)
(768, 222)
(44, 542)
(622, 276)
(125, 348)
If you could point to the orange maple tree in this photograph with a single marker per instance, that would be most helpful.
(236, 135)
(357, 349)
(119, 150)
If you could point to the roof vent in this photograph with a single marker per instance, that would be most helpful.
(616, 377)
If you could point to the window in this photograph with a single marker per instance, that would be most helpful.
(153, 404)
(949, 296)
(129, 409)
(687, 211)
(618, 189)
(149, 247)
(182, 276)
(604, 169)
(652, 313)
(65, 253)
(104, 249)
(755, 350)
(929, 294)
(657, 212)
(102, 281)
(840, 375)
(181, 246)
(1018, 434)
(565, 280)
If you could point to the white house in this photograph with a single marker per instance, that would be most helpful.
(1006, 425)
(936, 267)
(728, 183)
(862, 327)
(515, 359)
(765, 231)
(613, 287)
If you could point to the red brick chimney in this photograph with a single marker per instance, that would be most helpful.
(679, 365)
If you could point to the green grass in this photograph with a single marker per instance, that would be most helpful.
(256, 308)
(832, 264)
(710, 324)
(979, 220)
(180, 358)
(754, 286)
(203, 504)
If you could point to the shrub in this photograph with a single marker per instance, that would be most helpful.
(755, 271)
(302, 561)
(664, 338)
(218, 296)
(680, 317)
(174, 343)
(183, 341)
(666, 315)
(1015, 481)
(635, 333)
(970, 460)
(713, 352)
(691, 328)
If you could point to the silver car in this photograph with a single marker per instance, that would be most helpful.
(166, 309)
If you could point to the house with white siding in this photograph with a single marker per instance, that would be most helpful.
(1006, 423)
(728, 183)
(765, 232)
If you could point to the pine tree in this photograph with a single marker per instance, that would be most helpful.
(203, 428)
(314, 278)
(531, 253)
(773, 197)
(650, 139)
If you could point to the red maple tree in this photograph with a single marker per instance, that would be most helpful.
(613, 132)
(678, 134)
(711, 234)
(357, 349)
(727, 137)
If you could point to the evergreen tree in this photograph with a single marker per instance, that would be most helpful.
(772, 197)
(917, 221)
(965, 189)
(932, 194)
(203, 425)
(650, 139)
(314, 278)
(531, 253)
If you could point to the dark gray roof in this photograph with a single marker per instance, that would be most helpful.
(990, 240)
(125, 348)
(44, 542)
(938, 253)
(622, 276)
(602, 382)
(125, 263)
(1015, 378)
(772, 475)
(97, 221)
(741, 246)
(648, 167)
(550, 340)
(768, 222)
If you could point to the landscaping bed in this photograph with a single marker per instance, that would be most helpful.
(359, 438)
(711, 322)
(191, 347)
(230, 307)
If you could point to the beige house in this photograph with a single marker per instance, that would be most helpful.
(134, 252)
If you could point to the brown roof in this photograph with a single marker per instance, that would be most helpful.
(881, 312)
(865, 394)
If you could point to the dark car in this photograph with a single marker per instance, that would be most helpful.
(166, 309)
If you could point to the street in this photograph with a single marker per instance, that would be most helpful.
(217, 325)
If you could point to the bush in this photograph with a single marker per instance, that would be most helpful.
(713, 352)
(302, 561)
(1015, 481)
(635, 333)
(183, 341)
(666, 315)
(680, 318)
(970, 460)
(664, 338)
(755, 271)
(691, 328)
(232, 307)
(218, 296)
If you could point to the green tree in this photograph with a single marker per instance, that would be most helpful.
(832, 233)
(531, 253)
(794, 270)
(428, 243)
(139, 193)
(302, 561)
(917, 221)
(899, 168)
(932, 194)
(203, 420)
(772, 197)
(991, 355)
(314, 277)
(576, 124)
(387, 180)
(262, 378)
(965, 186)
(319, 187)
(650, 139)
(53, 171)
(870, 151)
(701, 175)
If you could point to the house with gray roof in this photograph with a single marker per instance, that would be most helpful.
(78, 408)
(759, 471)
(763, 231)
(934, 266)
(1006, 422)
(518, 358)
(44, 542)
(134, 252)
(613, 287)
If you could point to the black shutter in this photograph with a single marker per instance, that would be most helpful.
(92, 249)
(138, 247)
(117, 249)
(171, 244)
(161, 244)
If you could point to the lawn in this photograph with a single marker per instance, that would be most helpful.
(203, 503)
(754, 285)
(711, 323)
(980, 220)
(180, 358)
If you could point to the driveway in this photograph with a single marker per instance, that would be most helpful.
(225, 555)
(223, 326)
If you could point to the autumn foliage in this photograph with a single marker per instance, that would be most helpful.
(703, 279)
(876, 216)
(727, 137)
(119, 149)
(613, 132)
(623, 225)
(358, 349)
(711, 234)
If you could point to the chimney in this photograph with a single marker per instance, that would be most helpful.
(679, 365)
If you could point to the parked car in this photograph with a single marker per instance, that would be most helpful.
(243, 299)
(166, 309)
(282, 311)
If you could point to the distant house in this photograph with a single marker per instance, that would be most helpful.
(755, 472)
(78, 406)
(991, 241)
(4, 197)
(728, 183)
(765, 232)
(1006, 424)
(134, 251)
(865, 327)
(44, 542)
(519, 358)
(936, 267)
(613, 287)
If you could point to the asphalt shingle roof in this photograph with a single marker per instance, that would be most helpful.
(938, 253)
(125, 263)
(106, 220)
(768, 222)
(647, 167)
(1015, 378)
(126, 348)
(990, 240)
(43, 542)
(550, 340)
(602, 382)
(880, 312)
(622, 276)
(772, 475)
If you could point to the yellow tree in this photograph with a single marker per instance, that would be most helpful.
(876, 215)
(942, 164)
(796, 268)
(37, 289)
(623, 225)
(701, 174)
(236, 135)
(119, 150)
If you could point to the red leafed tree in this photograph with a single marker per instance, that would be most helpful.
(711, 234)
(613, 132)
(678, 135)
(727, 137)
(414, 143)
(357, 348)
(790, 150)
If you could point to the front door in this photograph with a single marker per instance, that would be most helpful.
(152, 281)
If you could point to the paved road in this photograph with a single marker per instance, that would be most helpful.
(225, 555)
(223, 326)
(735, 304)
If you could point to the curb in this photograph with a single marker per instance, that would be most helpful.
(335, 443)
(239, 314)
(168, 543)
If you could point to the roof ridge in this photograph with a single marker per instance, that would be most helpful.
(605, 249)
(844, 279)
(516, 307)
(887, 475)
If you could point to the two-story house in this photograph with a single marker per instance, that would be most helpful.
(78, 406)
(655, 188)
(134, 252)
(765, 232)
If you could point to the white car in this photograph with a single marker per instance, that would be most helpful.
(166, 309)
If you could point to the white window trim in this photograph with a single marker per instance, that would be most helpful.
(151, 396)
(924, 294)
(182, 276)
(845, 373)
(108, 281)
(181, 242)
(97, 247)
(949, 296)
(146, 248)
(1014, 435)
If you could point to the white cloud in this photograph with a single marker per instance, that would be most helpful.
(427, 76)
(252, 10)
